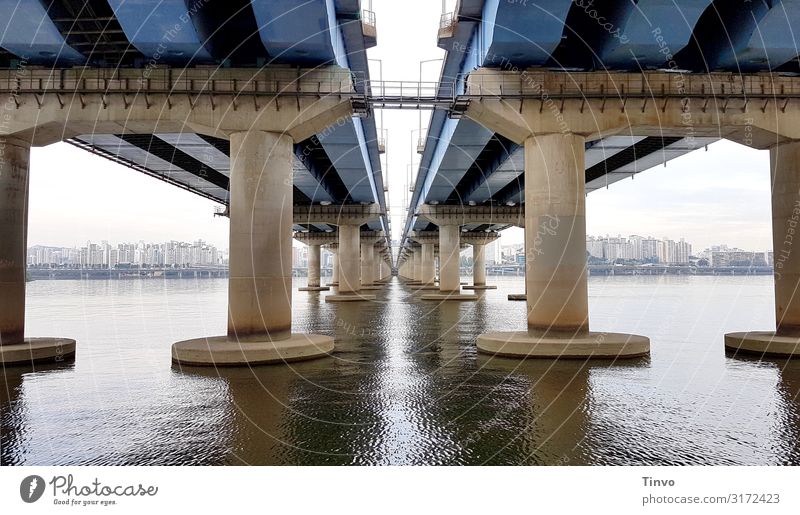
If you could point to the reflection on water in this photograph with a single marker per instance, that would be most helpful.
(405, 386)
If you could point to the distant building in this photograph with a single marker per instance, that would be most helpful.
(737, 258)
(141, 254)
(638, 249)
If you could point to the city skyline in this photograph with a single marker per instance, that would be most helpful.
(171, 253)
(708, 196)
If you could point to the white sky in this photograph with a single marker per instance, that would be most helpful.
(713, 197)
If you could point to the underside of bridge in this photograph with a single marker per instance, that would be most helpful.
(340, 166)
(266, 107)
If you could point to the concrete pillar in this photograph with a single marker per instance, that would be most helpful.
(412, 273)
(314, 259)
(349, 266)
(479, 265)
(313, 266)
(785, 174)
(367, 264)
(349, 259)
(260, 262)
(449, 252)
(14, 347)
(785, 340)
(428, 273)
(555, 262)
(260, 284)
(418, 265)
(555, 233)
(13, 239)
(335, 276)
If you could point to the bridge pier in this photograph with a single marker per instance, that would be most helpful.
(334, 249)
(428, 275)
(368, 275)
(15, 349)
(260, 263)
(449, 266)
(349, 266)
(314, 258)
(785, 340)
(478, 242)
(555, 265)
(314, 241)
(414, 265)
(427, 258)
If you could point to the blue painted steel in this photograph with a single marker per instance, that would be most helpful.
(303, 32)
(523, 33)
(771, 43)
(30, 34)
(654, 30)
(163, 31)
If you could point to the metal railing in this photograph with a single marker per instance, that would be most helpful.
(400, 94)
(452, 95)
(288, 81)
(369, 18)
(536, 84)
(447, 24)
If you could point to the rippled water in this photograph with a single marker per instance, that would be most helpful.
(405, 385)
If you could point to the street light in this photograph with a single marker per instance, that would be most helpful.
(420, 90)
(381, 140)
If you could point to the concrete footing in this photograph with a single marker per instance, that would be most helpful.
(372, 287)
(351, 297)
(517, 296)
(479, 287)
(449, 296)
(521, 344)
(426, 287)
(223, 351)
(763, 343)
(314, 288)
(37, 350)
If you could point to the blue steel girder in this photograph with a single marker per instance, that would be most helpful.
(161, 31)
(30, 34)
(525, 33)
(300, 32)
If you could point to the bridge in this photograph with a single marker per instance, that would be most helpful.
(267, 107)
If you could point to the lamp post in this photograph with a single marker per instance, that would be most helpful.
(420, 87)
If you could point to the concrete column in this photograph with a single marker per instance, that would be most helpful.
(555, 233)
(479, 265)
(449, 251)
(349, 259)
(14, 347)
(785, 340)
(428, 273)
(260, 262)
(260, 284)
(349, 266)
(785, 173)
(335, 276)
(313, 266)
(412, 272)
(367, 264)
(555, 264)
(418, 265)
(13, 239)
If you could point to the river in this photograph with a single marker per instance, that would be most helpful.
(405, 384)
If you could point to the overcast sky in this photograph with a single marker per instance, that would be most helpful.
(713, 197)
